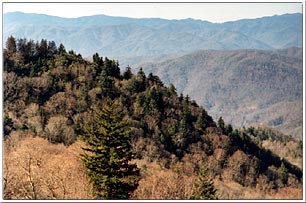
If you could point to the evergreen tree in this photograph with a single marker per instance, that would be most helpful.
(61, 49)
(228, 129)
(43, 48)
(204, 188)
(107, 84)
(154, 80)
(30, 49)
(98, 61)
(128, 73)
(172, 89)
(138, 84)
(141, 75)
(21, 45)
(221, 124)
(181, 97)
(283, 172)
(200, 123)
(52, 49)
(8, 125)
(11, 47)
(109, 147)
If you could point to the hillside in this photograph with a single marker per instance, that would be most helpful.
(246, 87)
(124, 38)
(51, 96)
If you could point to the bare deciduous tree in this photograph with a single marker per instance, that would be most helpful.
(37, 169)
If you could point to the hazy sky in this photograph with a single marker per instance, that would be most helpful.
(213, 12)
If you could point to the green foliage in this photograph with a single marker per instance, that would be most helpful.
(172, 89)
(64, 89)
(141, 78)
(221, 123)
(98, 61)
(204, 120)
(239, 140)
(228, 129)
(8, 125)
(283, 172)
(128, 73)
(11, 47)
(204, 188)
(154, 80)
(107, 84)
(61, 49)
(108, 155)
(153, 100)
(110, 67)
(300, 145)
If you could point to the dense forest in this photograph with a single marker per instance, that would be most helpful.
(245, 87)
(52, 96)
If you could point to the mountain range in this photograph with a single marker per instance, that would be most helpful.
(122, 37)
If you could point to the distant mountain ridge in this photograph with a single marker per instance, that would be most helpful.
(122, 37)
(246, 87)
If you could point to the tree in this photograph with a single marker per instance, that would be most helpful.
(172, 89)
(98, 61)
(204, 187)
(21, 46)
(228, 129)
(37, 169)
(8, 125)
(42, 49)
(61, 49)
(153, 79)
(11, 45)
(111, 68)
(52, 49)
(204, 120)
(107, 84)
(109, 153)
(128, 73)
(141, 80)
(221, 124)
(30, 51)
(58, 131)
(200, 123)
(283, 172)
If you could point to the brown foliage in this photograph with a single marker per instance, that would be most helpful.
(58, 130)
(288, 150)
(36, 169)
(243, 168)
(165, 184)
(61, 103)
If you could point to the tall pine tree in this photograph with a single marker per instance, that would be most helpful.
(109, 153)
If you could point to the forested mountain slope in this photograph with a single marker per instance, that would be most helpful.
(246, 87)
(234, 80)
(51, 95)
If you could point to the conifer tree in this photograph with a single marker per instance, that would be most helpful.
(283, 172)
(128, 73)
(11, 47)
(204, 188)
(109, 154)
(221, 124)
(61, 49)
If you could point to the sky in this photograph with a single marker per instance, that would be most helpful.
(213, 12)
